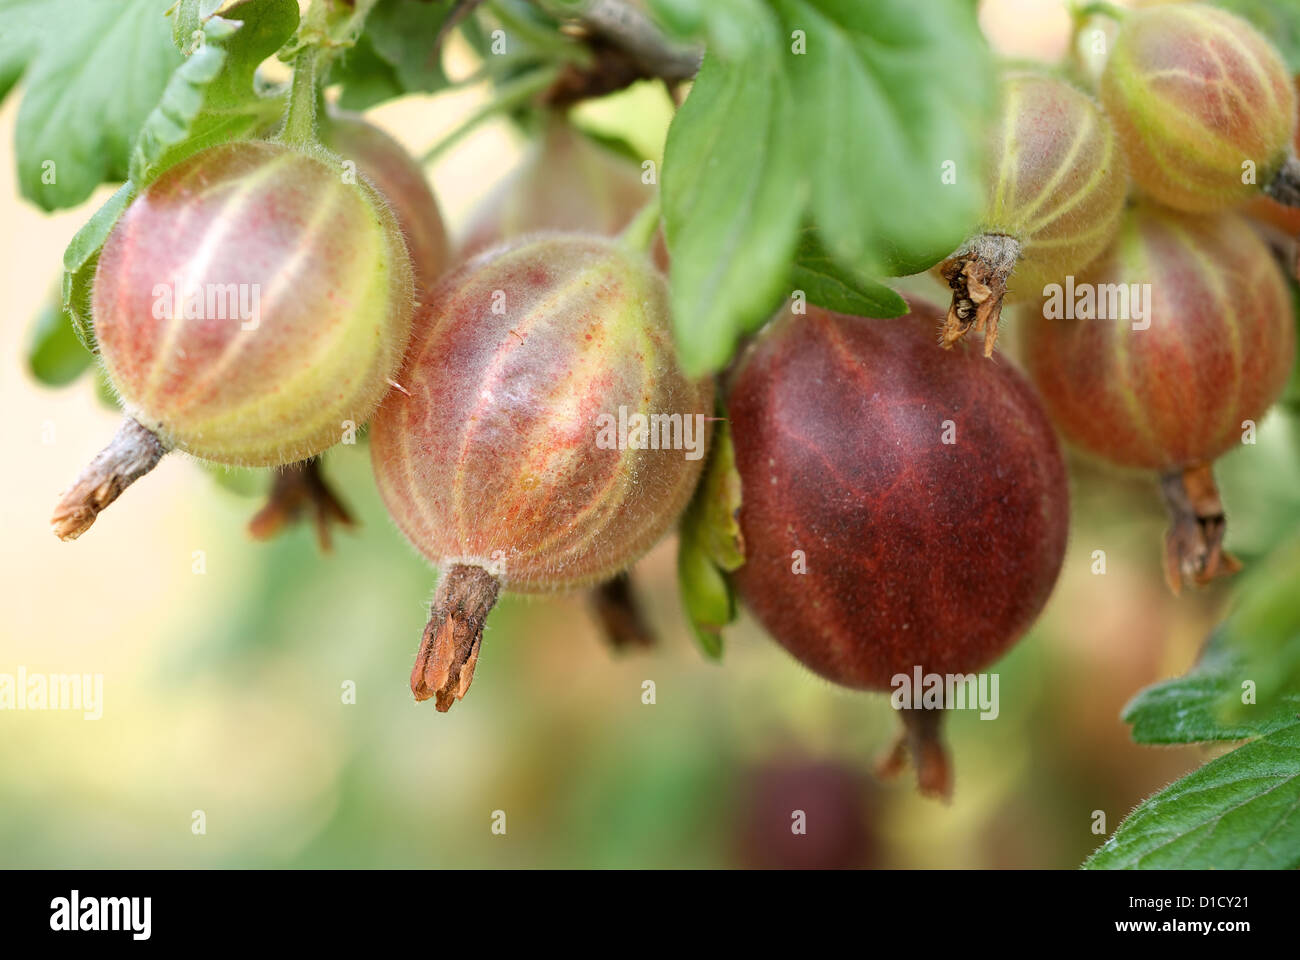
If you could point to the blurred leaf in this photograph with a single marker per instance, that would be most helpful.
(55, 355)
(1291, 396)
(679, 18)
(1259, 643)
(94, 71)
(366, 77)
(24, 26)
(1240, 811)
(1279, 20)
(829, 285)
(210, 98)
(402, 34)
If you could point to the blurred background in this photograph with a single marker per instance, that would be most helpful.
(225, 681)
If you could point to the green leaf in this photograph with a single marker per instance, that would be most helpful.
(81, 258)
(835, 287)
(888, 93)
(98, 71)
(713, 519)
(1240, 811)
(711, 544)
(1194, 708)
(842, 115)
(55, 355)
(1278, 21)
(402, 33)
(392, 56)
(210, 98)
(706, 595)
(733, 196)
(1257, 649)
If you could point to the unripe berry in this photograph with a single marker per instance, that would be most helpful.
(901, 506)
(1056, 190)
(247, 305)
(396, 175)
(1265, 209)
(1204, 106)
(301, 488)
(1167, 383)
(567, 183)
(495, 458)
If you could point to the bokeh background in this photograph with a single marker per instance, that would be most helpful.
(224, 690)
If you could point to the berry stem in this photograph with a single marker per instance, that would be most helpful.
(1194, 544)
(1083, 11)
(300, 119)
(978, 274)
(511, 94)
(444, 665)
(132, 453)
(922, 739)
(1285, 187)
(620, 614)
(298, 487)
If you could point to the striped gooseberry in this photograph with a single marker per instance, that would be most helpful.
(1205, 108)
(543, 436)
(248, 306)
(300, 489)
(1054, 196)
(1163, 357)
(568, 182)
(396, 175)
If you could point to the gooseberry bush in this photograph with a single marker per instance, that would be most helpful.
(748, 329)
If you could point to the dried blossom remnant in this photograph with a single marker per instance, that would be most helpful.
(1194, 544)
(1285, 187)
(133, 452)
(921, 739)
(298, 487)
(978, 275)
(444, 665)
(620, 614)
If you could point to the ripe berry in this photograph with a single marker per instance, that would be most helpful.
(492, 457)
(1201, 101)
(567, 183)
(399, 178)
(1056, 190)
(901, 506)
(247, 305)
(1211, 349)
